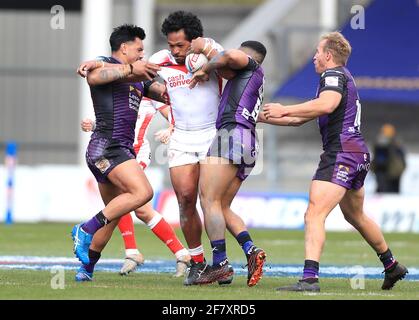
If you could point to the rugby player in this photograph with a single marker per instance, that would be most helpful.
(231, 156)
(195, 114)
(343, 165)
(146, 213)
(116, 95)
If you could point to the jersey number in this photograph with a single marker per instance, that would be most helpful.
(256, 109)
(357, 122)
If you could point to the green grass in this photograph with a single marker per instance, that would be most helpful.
(25, 284)
(48, 239)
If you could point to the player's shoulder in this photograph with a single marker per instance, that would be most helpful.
(252, 65)
(106, 59)
(162, 57)
(334, 77)
(333, 72)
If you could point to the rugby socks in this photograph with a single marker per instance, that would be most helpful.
(165, 233)
(243, 238)
(197, 254)
(94, 224)
(126, 227)
(181, 253)
(311, 271)
(130, 252)
(219, 254)
(389, 262)
(94, 257)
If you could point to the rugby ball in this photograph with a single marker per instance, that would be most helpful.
(195, 61)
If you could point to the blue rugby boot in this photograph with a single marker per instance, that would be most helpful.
(82, 275)
(82, 241)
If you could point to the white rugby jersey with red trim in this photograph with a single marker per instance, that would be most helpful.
(146, 112)
(193, 109)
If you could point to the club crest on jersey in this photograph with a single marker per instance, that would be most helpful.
(343, 172)
(103, 164)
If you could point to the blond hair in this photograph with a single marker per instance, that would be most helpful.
(338, 46)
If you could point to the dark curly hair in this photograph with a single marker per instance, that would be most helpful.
(125, 33)
(187, 21)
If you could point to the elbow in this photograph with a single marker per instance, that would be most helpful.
(328, 109)
(324, 105)
(298, 123)
(232, 55)
(91, 81)
(329, 106)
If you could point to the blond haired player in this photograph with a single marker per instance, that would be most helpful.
(344, 164)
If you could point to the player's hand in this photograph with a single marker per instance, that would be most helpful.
(274, 110)
(164, 135)
(87, 66)
(87, 125)
(165, 96)
(201, 45)
(199, 76)
(163, 93)
(145, 69)
(197, 45)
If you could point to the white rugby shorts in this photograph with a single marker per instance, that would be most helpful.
(189, 147)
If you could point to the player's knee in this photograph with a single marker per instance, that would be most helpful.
(187, 199)
(204, 202)
(142, 214)
(311, 216)
(203, 198)
(208, 198)
(143, 195)
(354, 220)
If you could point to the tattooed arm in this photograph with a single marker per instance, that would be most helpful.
(135, 72)
(225, 61)
(108, 74)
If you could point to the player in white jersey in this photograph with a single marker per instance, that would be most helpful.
(154, 220)
(194, 113)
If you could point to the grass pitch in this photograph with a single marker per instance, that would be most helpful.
(282, 247)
